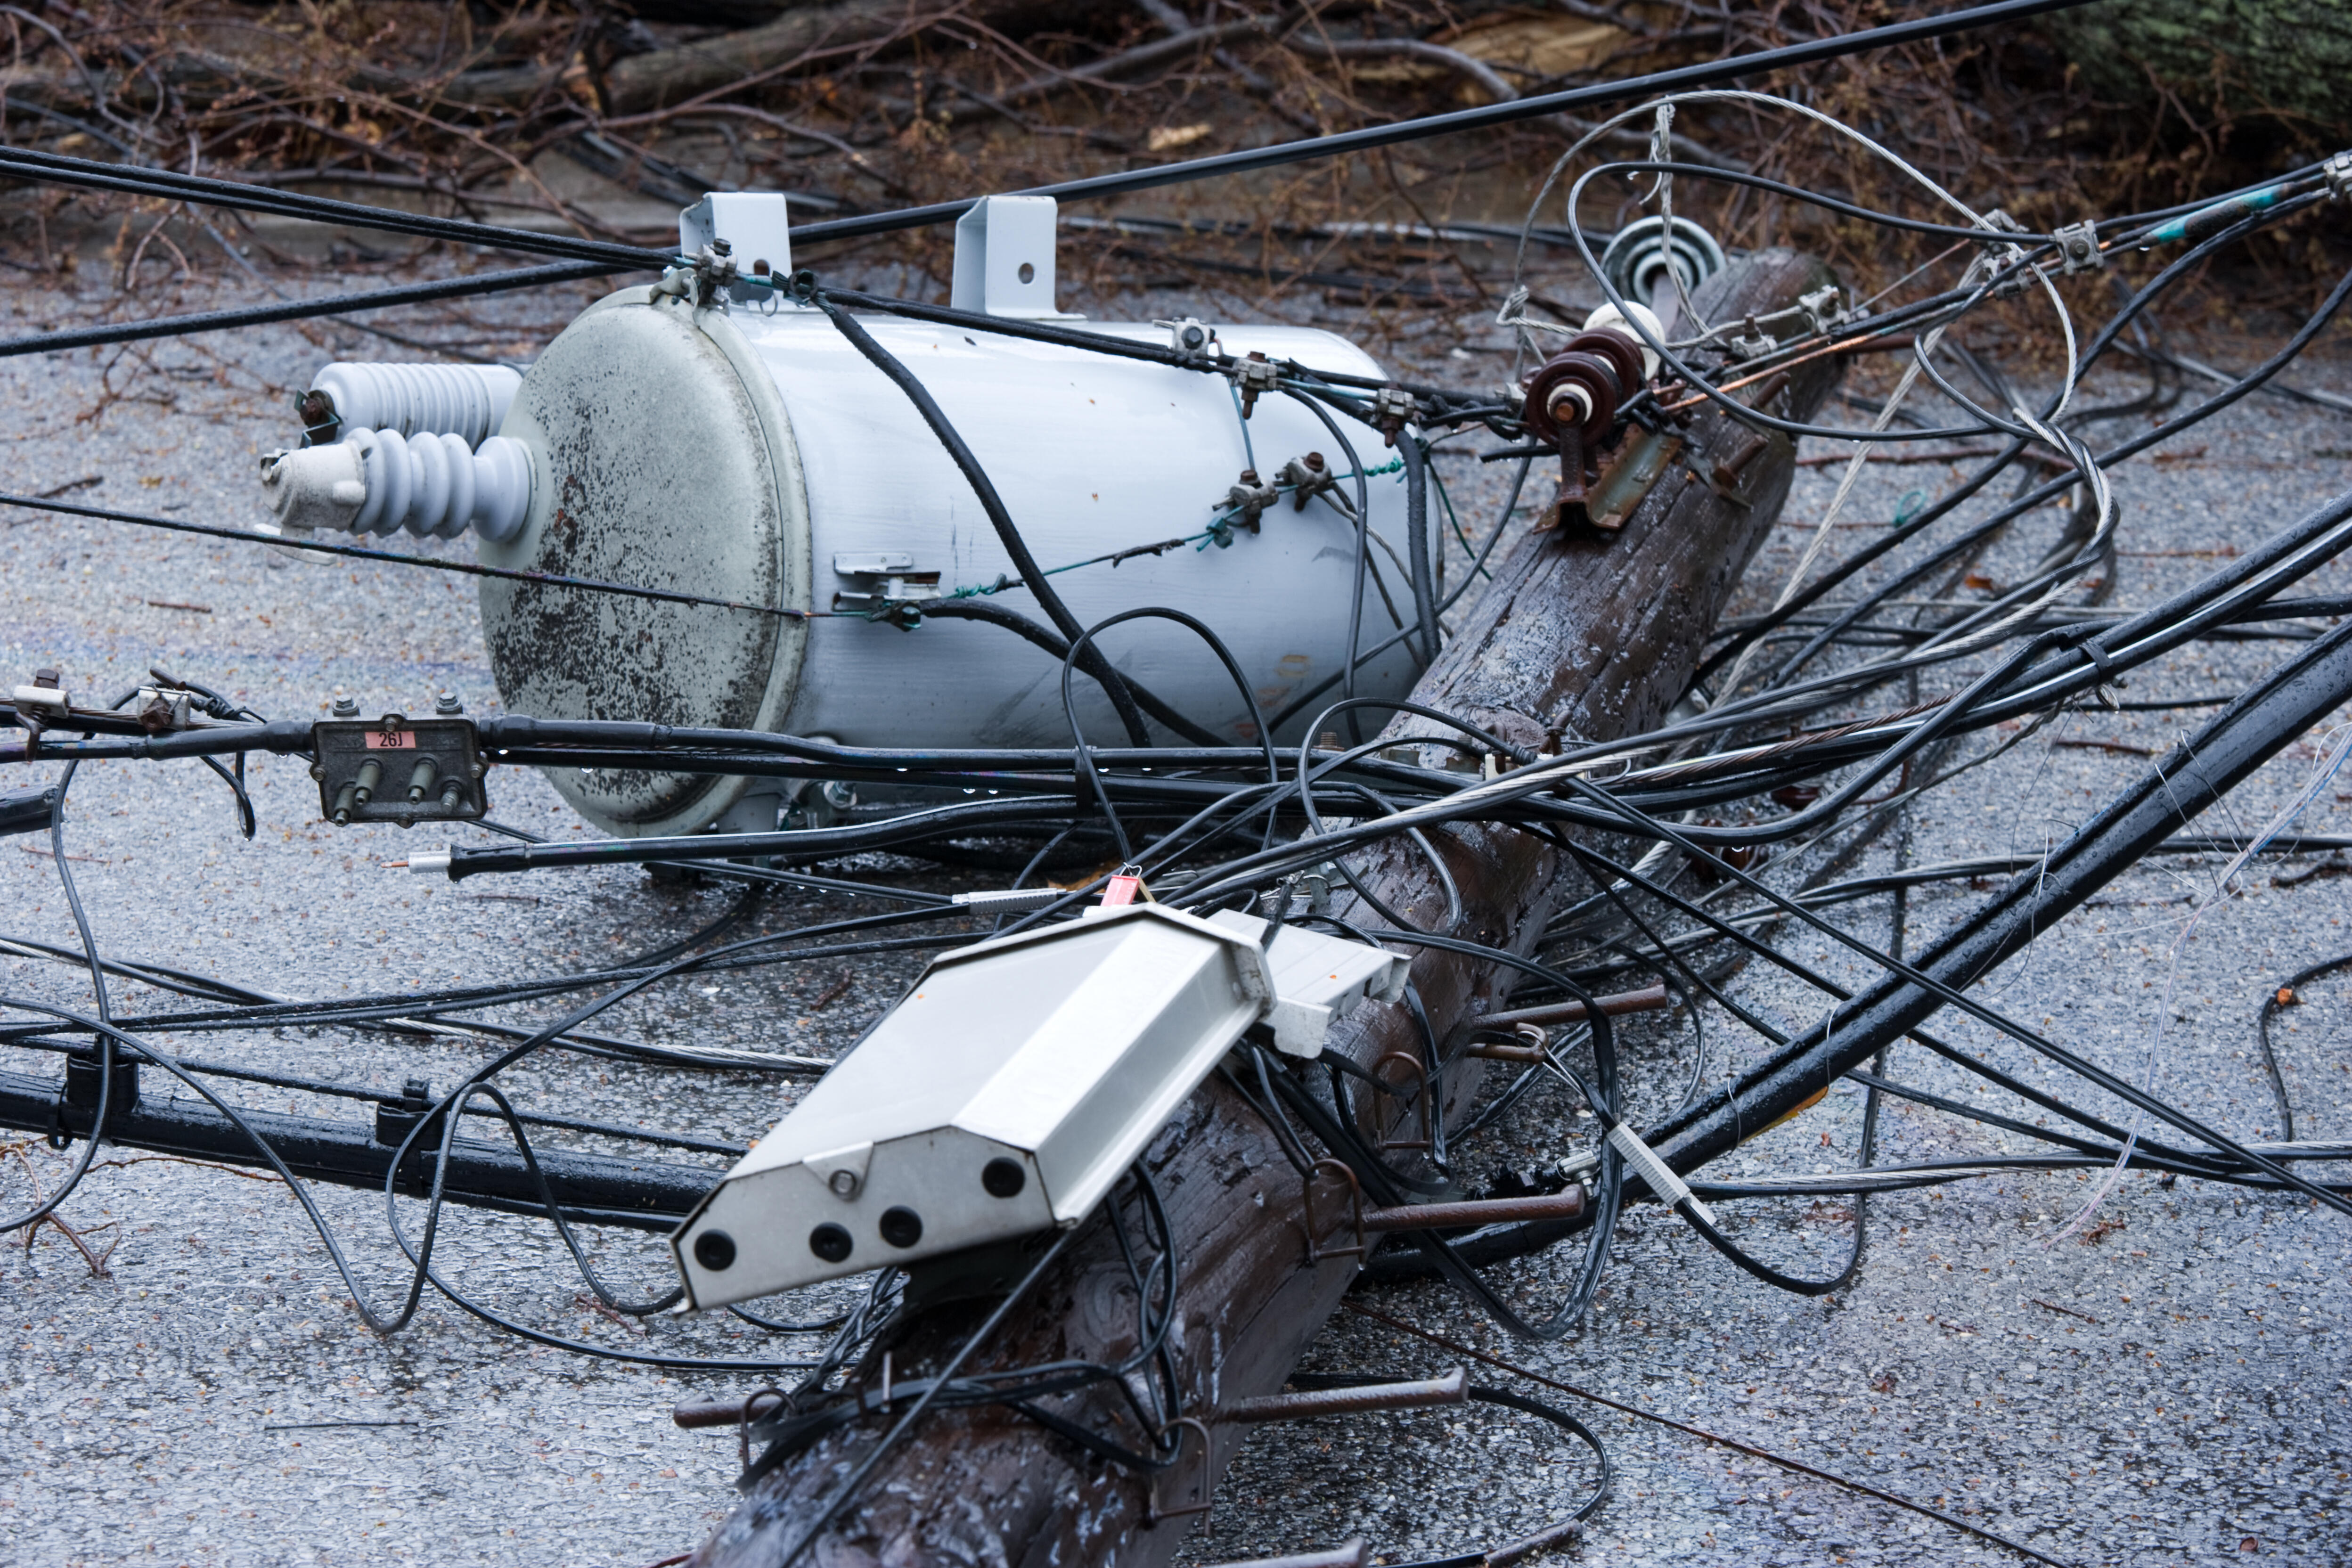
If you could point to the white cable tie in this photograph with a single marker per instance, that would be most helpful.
(1660, 1176)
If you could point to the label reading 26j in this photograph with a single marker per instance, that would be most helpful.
(399, 740)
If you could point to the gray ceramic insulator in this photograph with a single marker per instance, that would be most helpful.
(379, 481)
(462, 400)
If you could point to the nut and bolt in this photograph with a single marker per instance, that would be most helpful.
(347, 707)
(447, 706)
(320, 422)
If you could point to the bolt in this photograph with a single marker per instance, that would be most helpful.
(347, 707)
(318, 417)
(844, 1184)
(447, 705)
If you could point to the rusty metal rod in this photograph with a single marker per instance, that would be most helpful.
(1649, 999)
(697, 1414)
(1450, 1388)
(1569, 1205)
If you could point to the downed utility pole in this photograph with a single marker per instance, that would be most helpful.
(1581, 632)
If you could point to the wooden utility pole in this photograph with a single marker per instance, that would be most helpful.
(1580, 635)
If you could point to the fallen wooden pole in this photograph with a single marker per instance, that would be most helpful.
(1578, 634)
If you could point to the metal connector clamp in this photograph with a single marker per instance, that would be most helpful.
(45, 700)
(1821, 309)
(2008, 258)
(1244, 505)
(2078, 247)
(1393, 409)
(1253, 374)
(884, 581)
(158, 710)
(2338, 173)
(1189, 335)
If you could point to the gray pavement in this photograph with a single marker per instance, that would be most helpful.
(2167, 1386)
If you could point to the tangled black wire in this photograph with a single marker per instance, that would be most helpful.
(1806, 730)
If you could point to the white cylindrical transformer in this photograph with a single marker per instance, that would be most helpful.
(754, 455)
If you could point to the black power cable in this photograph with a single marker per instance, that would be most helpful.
(1008, 534)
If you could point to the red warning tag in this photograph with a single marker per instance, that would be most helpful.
(1122, 890)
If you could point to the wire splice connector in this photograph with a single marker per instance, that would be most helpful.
(1008, 901)
(1671, 1189)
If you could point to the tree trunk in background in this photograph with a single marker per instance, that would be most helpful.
(2293, 57)
(667, 77)
(1583, 634)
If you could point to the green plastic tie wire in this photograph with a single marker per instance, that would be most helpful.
(1219, 524)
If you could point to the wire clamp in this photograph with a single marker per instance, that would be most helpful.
(1393, 409)
(2078, 247)
(159, 710)
(1190, 336)
(1822, 315)
(1245, 503)
(1754, 344)
(2338, 173)
(1308, 477)
(2008, 261)
(43, 703)
(1670, 1189)
(1253, 374)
